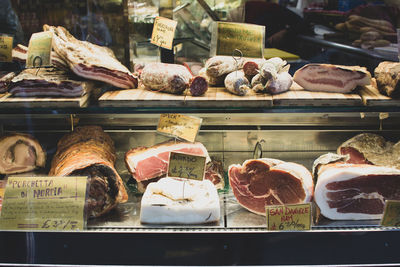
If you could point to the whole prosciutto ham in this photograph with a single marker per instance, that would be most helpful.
(149, 164)
(88, 151)
(331, 78)
(265, 181)
(20, 153)
(89, 60)
(355, 191)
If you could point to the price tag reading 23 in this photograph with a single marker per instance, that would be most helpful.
(44, 203)
(186, 166)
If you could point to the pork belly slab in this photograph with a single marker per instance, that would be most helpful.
(355, 191)
(331, 78)
(260, 182)
(20, 153)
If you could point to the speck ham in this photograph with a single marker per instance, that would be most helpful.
(265, 181)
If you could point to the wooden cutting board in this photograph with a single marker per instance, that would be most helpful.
(214, 97)
(297, 96)
(7, 101)
(372, 97)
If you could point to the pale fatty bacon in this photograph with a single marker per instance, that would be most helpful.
(355, 191)
(20, 153)
(331, 78)
(261, 182)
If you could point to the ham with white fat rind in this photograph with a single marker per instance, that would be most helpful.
(260, 182)
(331, 78)
(89, 60)
(180, 201)
(355, 191)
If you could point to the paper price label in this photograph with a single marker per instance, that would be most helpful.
(6, 45)
(39, 50)
(228, 36)
(391, 215)
(44, 203)
(163, 32)
(186, 166)
(178, 125)
(296, 217)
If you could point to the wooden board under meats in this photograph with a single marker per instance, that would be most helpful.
(214, 97)
(372, 97)
(7, 101)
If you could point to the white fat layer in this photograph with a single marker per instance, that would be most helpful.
(150, 152)
(344, 173)
(180, 201)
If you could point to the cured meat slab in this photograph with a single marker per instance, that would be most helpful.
(88, 151)
(265, 181)
(387, 76)
(20, 153)
(355, 191)
(89, 60)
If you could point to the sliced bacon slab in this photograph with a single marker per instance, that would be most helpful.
(88, 151)
(20, 153)
(261, 182)
(355, 191)
(89, 60)
(331, 78)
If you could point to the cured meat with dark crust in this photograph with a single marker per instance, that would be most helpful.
(89, 60)
(261, 182)
(20, 153)
(48, 82)
(369, 148)
(331, 78)
(90, 152)
(355, 191)
(387, 76)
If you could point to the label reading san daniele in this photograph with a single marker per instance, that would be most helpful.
(180, 126)
(391, 214)
(6, 45)
(39, 50)
(44, 203)
(186, 166)
(163, 32)
(296, 217)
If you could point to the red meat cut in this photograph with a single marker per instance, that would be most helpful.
(261, 182)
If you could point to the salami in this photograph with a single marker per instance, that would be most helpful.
(237, 83)
(252, 66)
(279, 85)
(221, 65)
(198, 86)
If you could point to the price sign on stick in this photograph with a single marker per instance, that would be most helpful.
(44, 203)
(391, 215)
(178, 125)
(186, 166)
(6, 45)
(296, 217)
(163, 32)
(39, 50)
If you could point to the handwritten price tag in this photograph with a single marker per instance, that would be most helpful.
(39, 50)
(186, 166)
(391, 215)
(44, 203)
(295, 217)
(228, 36)
(6, 45)
(178, 125)
(163, 32)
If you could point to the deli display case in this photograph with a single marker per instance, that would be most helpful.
(104, 130)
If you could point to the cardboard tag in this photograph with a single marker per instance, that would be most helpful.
(296, 217)
(180, 126)
(186, 166)
(6, 46)
(391, 214)
(228, 36)
(163, 32)
(39, 50)
(44, 203)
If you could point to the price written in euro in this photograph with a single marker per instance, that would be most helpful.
(391, 214)
(296, 217)
(6, 44)
(163, 32)
(180, 126)
(186, 166)
(44, 203)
